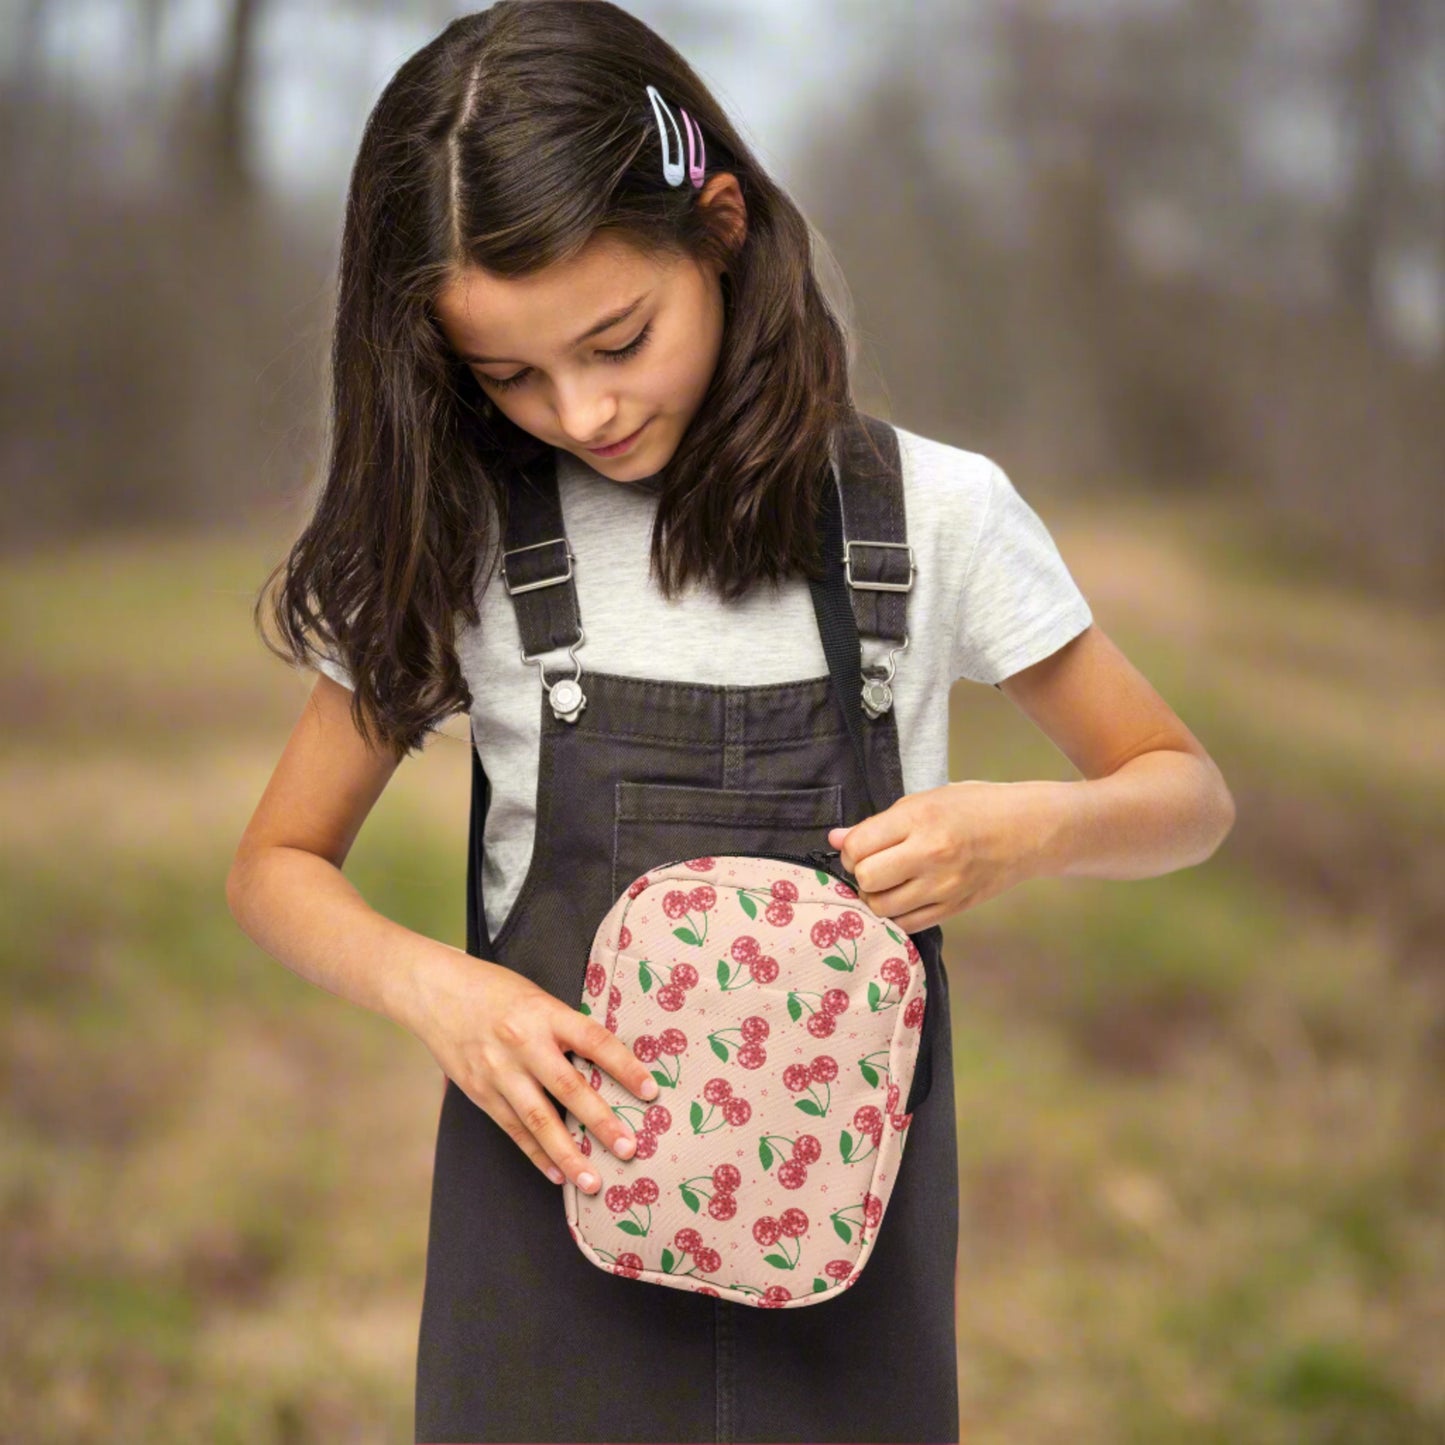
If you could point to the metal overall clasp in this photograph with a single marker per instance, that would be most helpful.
(565, 695)
(877, 695)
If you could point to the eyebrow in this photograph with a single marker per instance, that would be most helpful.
(605, 324)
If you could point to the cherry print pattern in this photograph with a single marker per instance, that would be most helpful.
(768, 959)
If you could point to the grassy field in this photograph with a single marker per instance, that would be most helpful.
(1201, 1117)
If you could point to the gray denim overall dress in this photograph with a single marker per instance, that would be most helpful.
(523, 1338)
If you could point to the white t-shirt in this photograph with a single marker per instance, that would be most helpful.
(991, 596)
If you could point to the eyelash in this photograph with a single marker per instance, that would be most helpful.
(621, 354)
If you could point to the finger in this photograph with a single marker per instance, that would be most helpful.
(511, 1124)
(539, 1118)
(577, 1095)
(888, 869)
(881, 830)
(597, 1042)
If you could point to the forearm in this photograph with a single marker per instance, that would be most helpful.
(1161, 811)
(306, 913)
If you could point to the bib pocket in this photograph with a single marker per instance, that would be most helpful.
(654, 823)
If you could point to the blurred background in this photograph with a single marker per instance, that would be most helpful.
(1179, 266)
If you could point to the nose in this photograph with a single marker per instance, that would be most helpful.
(586, 411)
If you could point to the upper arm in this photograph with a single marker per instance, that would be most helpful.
(327, 780)
(1096, 706)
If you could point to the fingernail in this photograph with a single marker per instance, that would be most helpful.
(649, 1089)
(587, 1181)
(624, 1147)
(554, 1174)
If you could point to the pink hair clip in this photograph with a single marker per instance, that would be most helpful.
(672, 166)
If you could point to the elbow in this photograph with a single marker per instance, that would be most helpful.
(237, 883)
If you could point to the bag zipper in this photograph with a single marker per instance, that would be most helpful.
(825, 860)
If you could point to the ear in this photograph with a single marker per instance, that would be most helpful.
(723, 191)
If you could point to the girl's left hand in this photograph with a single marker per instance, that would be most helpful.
(935, 853)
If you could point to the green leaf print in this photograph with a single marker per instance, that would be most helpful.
(695, 1115)
(869, 1073)
(823, 878)
(630, 1226)
(795, 1007)
(782, 1261)
(873, 997)
(765, 1154)
(667, 1261)
(833, 961)
(644, 975)
(808, 1107)
(841, 1228)
(687, 936)
(720, 1049)
(894, 936)
(749, 907)
(691, 1200)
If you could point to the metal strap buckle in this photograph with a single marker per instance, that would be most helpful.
(878, 586)
(544, 581)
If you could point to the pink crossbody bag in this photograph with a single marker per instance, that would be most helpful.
(782, 1019)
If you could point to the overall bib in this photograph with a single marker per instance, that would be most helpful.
(522, 1338)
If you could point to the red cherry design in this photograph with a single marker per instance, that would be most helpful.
(824, 933)
(727, 1178)
(717, 1091)
(913, 1014)
(895, 971)
(835, 1001)
(820, 1025)
(764, 970)
(766, 1230)
(751, 1056)
(722, 1207)
(792, 1173)
(755, 1028)
(793, 1222)
(702, 865)
(807, 1149)
(737, 1111)
(824, 1069)
(779, 913)
(785, 890)
(744, 948)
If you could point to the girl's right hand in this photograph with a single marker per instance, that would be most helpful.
(503, 1039)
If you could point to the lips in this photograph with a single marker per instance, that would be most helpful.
(617, 446)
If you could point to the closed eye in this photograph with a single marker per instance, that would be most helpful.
(621, 354)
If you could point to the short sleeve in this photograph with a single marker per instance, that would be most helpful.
(1018, 602)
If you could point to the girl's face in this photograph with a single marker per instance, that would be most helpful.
(609, 347)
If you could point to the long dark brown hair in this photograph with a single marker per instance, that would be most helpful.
(507, 143)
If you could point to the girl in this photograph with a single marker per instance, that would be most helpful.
(578, 325)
